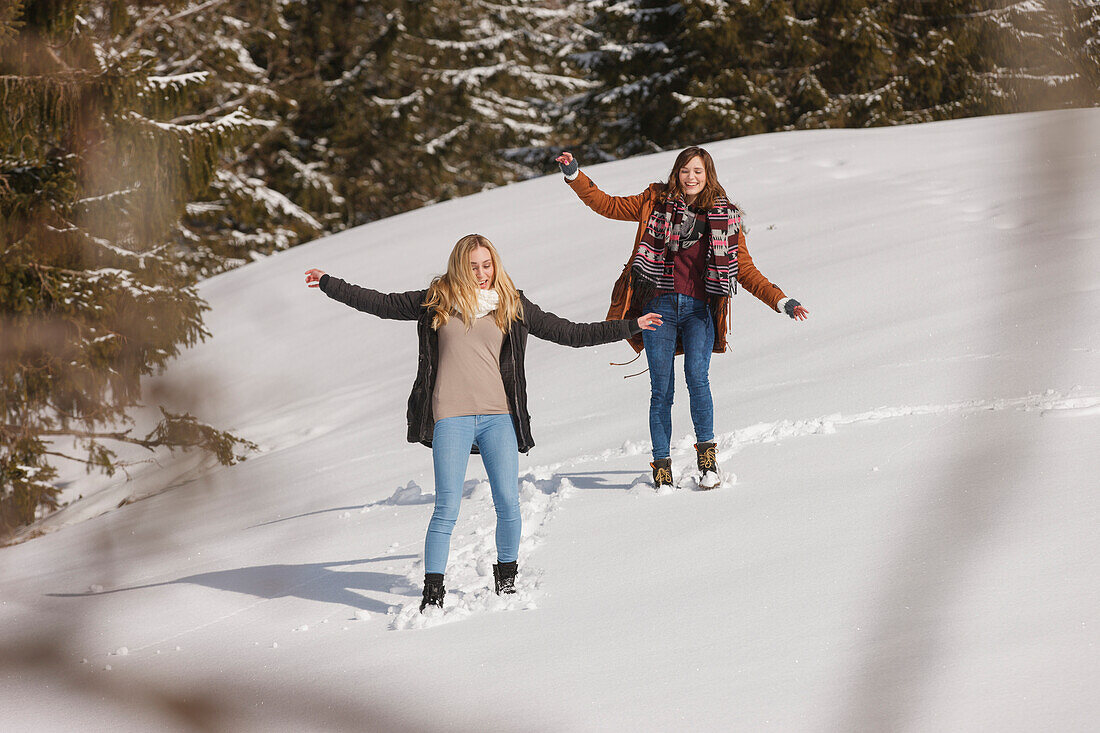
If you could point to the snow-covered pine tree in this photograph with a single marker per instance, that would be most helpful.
(94, 176)
(959, 58)
(1086, 15)
(942, 45)
(267, 196)
(485, 106)
(671, 75)
(725, 69)
(1041, 54)
(635, 61)
(405, 102)
(859, 65)
(749, 67)
(344, 65)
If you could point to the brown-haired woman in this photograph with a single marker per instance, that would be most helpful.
(689, 252)
(470, 390)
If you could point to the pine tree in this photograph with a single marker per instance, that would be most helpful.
(1043, 54)
(859, 68)
(750, 70)
(94, 176)
(478, 88)
(633, 61)
(509, 61)
(337, 62)
(964, 58)
(266, 197)
(400, 103)
(712, 69)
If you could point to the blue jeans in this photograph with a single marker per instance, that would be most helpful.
(689, 319)
(451, 442)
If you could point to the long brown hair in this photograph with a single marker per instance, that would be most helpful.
(456, 290)
(712, 189)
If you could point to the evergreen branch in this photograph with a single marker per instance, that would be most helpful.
(123, 466)
(67, 457)
(122, 437)
(143, 26)
(987, 13)
(233, 104)
(57, 59)
(196, 9)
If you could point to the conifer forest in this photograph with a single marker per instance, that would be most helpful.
(145, 146)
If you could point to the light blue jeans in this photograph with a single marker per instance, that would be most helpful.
(689, 319)
(451, 441)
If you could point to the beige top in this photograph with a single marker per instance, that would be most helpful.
(468, 381)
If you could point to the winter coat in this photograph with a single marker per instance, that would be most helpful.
(638, 208)
(535, 321)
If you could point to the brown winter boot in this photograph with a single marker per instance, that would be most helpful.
(706, 455)
(662, 472)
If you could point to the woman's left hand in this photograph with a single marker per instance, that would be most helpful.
(794, 309)
(649, 321)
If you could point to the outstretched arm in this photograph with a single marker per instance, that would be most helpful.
(549, 327)
(395, 306)
(623, 208)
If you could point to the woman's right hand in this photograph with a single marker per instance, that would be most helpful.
(313, 278)
(567, 163)
(649, 321)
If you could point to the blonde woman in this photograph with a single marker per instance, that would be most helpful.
(470, 390)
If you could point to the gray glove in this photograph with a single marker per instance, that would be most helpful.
(789, 306)
(570, 169)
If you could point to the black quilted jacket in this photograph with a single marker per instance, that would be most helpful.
(409, 307)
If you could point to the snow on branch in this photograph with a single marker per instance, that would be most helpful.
(543, 81)
(627, 91)
(235, 121)
(690, 103)
(473, 76)
(310, 176)
(177, 82)
(433, 146)
(1051, 80)
(530, 12)
(492, 110)
(631, 51)
(397, 105)
(481, 44)
(244, 58)
(275, 203)
(630, 11)
(123, 279)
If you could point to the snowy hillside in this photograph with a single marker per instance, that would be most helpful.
(911, 542)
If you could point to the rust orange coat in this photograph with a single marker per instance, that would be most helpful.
(637, 208)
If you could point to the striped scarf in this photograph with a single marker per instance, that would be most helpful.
(653, 259)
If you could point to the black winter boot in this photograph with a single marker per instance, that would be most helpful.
(504, 577)
(662, 472)
(433, 591)
(706, 455)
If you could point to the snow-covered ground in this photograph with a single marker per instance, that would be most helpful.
(909, 542)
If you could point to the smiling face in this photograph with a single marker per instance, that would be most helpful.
(481, 265)
(692, 176)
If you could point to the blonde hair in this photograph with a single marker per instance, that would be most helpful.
(456, 291)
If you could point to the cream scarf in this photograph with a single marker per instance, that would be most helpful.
(487, 302)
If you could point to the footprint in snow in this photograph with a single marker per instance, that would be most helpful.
(469, 579)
